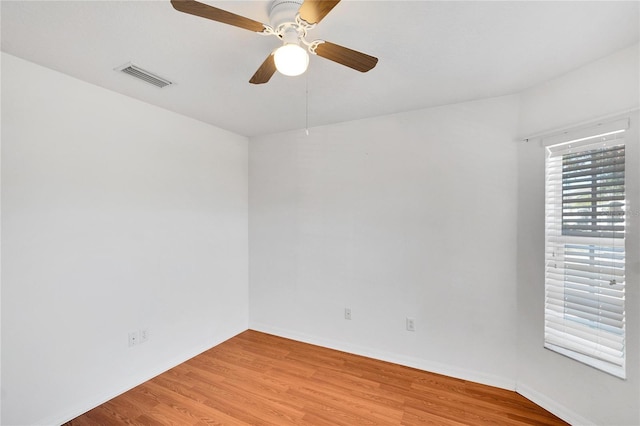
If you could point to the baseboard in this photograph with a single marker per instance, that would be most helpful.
(552, 406)
(420, 364)
(108, 395)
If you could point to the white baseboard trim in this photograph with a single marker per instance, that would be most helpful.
(420, 364)
(72, 413)
(552, 406)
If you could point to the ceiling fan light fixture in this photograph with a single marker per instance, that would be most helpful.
(291, 59)
(290, 20)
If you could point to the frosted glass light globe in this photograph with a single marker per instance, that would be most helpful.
(291, 59)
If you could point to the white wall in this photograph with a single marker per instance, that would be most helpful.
(572, 390)
(116, 216)
(409, 215)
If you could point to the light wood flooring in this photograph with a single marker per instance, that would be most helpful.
(259, 379)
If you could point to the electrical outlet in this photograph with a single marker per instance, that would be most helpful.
(144, 335)
(411, 325)
(347, 313)
(133, 338)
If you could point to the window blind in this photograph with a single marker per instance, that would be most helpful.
(585, 251)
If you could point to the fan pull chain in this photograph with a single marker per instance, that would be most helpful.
(306, 123)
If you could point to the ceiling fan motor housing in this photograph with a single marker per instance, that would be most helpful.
(283, 11)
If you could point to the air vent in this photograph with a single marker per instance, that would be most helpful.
(144, 75)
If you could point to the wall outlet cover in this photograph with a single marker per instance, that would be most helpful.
(133, 338)
(411, 325)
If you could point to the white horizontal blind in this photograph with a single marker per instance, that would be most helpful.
(585, 251)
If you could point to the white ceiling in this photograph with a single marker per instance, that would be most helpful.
(431, 53)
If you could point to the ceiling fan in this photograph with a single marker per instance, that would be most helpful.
(290, 21)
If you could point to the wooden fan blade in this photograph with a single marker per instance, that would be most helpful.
(266, 70)
(193, 7)
(313, 11)
(351, 58)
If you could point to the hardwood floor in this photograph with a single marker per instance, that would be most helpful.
(259, 379)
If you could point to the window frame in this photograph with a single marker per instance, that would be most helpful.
(560, 341)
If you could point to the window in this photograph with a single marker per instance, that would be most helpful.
(585, 250)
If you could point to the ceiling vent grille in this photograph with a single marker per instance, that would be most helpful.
(144, 75)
